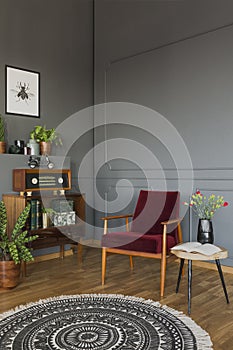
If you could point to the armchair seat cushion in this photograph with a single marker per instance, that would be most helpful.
(137, 242)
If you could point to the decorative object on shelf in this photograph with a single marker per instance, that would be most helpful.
(25, 180)
(64, 218)
(27, 150)
(100, 321)
(14, 149)
(2, 136)
(34, 162)
(45, 137)
(49, 164)
(22, 92)
(34, 146)
(205, 207)
(20, 144)
(47, 215)
(13, 247)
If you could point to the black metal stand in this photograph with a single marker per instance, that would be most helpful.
(179, 276)
(190, 280)
(222, 279)
(189, 285)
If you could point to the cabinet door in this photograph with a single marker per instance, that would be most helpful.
(14, 207)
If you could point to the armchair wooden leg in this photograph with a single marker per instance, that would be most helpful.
(131, 262)
(163, 261)
(163, 274)
(104, 256)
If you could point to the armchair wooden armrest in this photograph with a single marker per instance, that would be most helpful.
(107, 218)
(170, 222)
(117, 217)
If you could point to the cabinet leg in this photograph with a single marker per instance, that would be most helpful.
(222, 279)
(24, 268)
(80, 253)
(62, 251)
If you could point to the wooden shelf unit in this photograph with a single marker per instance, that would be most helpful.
(51, 236)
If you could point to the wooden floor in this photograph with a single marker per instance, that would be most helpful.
(59, 277)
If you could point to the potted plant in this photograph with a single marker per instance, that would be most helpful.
(45, 137)
(13, 247)
(2, 136)
(205, 207)
(47, 214)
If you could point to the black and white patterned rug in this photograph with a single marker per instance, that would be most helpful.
(99, 322)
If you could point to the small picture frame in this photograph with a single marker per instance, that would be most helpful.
(22, 93)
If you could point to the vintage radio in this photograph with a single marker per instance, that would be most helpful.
(28, 180)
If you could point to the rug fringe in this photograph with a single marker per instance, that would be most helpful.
(202, 337)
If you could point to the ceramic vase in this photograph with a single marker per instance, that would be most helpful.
(45, 148)
(205, 232)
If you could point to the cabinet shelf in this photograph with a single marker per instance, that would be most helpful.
(51, 236)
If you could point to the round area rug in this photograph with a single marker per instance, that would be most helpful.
(99, 322)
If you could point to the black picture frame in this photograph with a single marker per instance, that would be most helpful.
(22, 92)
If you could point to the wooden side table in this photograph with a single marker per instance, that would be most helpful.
(196, 256)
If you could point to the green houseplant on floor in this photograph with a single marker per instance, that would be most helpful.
(13, 247)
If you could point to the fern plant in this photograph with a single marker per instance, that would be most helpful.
(15, 245)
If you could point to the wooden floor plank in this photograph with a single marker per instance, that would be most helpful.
(62, 277)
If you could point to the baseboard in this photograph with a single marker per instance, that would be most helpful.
(210, 266)
(51, 256)
(91, 243)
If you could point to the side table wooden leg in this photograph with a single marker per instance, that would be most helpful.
(179, 276)
(189, 285)
(222, 279)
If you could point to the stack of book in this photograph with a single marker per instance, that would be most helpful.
(35, 214)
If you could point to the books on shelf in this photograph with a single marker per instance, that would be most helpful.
(64, 213)
(197, 247)
(35, 214)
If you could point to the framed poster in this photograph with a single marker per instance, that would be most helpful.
(22, 95)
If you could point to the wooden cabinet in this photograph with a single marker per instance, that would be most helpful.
(53, 235)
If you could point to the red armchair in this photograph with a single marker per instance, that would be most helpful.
(155, 229)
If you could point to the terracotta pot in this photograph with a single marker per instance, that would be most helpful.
(2, 147)
(9, 274)
(45, 148)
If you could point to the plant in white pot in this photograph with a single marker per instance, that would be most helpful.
(14, 247)
(2, 136)
(45, 137)
(47, 215)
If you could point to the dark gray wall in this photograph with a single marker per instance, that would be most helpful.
(176, 58)
(54, 38)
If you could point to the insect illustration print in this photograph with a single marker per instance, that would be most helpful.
(23, 92)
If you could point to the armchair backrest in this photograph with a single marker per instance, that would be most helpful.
(154, 207)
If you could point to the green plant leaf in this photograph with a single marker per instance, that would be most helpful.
(21, 221)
